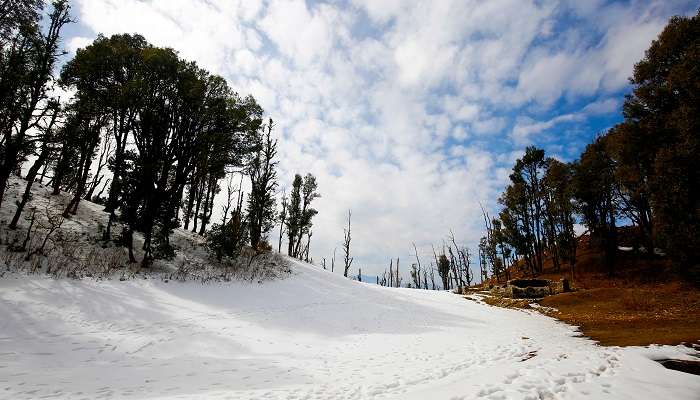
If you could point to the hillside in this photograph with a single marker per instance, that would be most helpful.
(312, 335)
(644, 302)
(305, 334)
(75, 248)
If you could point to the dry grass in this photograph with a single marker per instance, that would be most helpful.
(644, 302)
(633, 316)
(506, 302)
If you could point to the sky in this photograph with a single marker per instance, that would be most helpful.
(409, 113)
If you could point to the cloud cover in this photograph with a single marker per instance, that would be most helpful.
(410, 113)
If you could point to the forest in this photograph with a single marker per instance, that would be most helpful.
(150, 136)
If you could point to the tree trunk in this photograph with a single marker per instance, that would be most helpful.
(30, 180)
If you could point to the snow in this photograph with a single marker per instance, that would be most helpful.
(625, 248)
(78, 250)
(313, 335)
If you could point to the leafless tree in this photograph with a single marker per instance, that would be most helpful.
(230, 190)
(282, 219)
(333, 260)
(391, 273)
(418, 269)
(308, 245)
(53, 221)
(346, 246)
(398, 277)
(102, 161)
(31, 218)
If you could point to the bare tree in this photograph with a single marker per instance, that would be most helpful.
(282, 219)
(346, 246)
(418, 270)
(391, 272)
(27, 238)
(53, 221)
(308, 245)
(102, 161)
(333, 260)
(230, 190)
(398, 277)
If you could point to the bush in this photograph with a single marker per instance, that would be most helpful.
(225, 240)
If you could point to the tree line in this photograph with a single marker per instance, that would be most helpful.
(643, 170)
(149, 135)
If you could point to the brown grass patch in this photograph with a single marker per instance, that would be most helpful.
(507, 302)
(644, 302)
(633, 316)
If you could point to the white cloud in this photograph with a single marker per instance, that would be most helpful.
(301, 34)
(525, 127)
(489, 125)
(76, 43)
(397, 107)
(605, 106)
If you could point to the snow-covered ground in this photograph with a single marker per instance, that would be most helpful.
(314, 335)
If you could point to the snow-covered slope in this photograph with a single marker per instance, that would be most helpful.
(76, 248)
(313, 335)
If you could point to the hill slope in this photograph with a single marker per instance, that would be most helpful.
(313, 335)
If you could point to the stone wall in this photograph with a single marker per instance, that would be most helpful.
(530, 288)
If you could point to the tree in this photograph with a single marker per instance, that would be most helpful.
(107, 71)
(416, 269)
(186, 125)
(308, 194)
(300, 213)
(263, 180)
(85, 123)
(346, 246)
(595, 197)
(26, 76)
(294, 215)
(558, 189)
(282, 217)
(663, 115)
(443, 265)
(47, 143)
(17, 14)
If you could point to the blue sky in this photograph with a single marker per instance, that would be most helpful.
(410, 113)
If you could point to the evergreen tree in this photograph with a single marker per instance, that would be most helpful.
(662, 116)
(263, 179)
(594, 191)
(294, 215)
(308, 194)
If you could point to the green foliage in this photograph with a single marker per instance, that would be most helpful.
(443, 267)
(263, 179)
(644, 169)
(227, 240)
(300, 213)
(186, 125)
(294, 214)
(663, 113)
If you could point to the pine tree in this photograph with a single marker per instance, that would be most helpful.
(263, 179)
